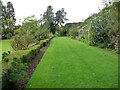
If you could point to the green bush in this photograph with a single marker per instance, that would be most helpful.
(84, 41)
(14, 75)
(22, 41)
(97, 34)
(117, 51)
(44, 42)
(17, 71)
(5, 54)
(5, 81)
(25, 55)
(73, 32)
(103, 45)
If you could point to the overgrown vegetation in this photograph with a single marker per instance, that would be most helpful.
(99, 29)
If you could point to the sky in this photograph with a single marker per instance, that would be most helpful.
(77, 10)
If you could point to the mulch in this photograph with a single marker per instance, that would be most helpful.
(32, 66)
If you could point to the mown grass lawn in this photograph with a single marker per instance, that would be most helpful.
(6, 46)
(68, 63)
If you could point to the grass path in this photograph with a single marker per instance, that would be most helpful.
(5, 46)
(68, 63)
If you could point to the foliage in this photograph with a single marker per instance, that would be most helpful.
(6, 60)
(60, 17)
(73, 32)
(13, 76)
(22, 41)
(48, 16)
(8, 20)
(17, 71)
(59, 31)
(25, 35)
(84, 41)
(102, 28)
(97, 34)
(42, 33)
(26, 55)
(67, 27)
(53, 20)
(5, 54)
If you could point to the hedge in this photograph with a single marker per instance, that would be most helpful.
(25, 55)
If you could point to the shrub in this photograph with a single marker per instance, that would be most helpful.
(84, 41)
(44, 42)
(14, 75)
(103, 45)
(117, 51)
(5, 54)
(17, 71)
(22, 41)
(42, 33)
(24, 55)
(6, 60)
(97, 34)
(73, 32)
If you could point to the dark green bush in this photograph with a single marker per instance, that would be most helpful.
(14, 75)
(5, 81)
(9, 52)
(117, 51)
(84, 41)
(17, 72)
(6, 60)
(103, 45)
(44, 42)
(5, 54)
(73, 32)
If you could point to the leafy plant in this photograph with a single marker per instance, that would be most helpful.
(5, 54)
(17, 71)
(6, 60)
(22, 41)
(73, 32)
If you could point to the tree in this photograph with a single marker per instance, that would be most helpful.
(54, 21)
(8, 21)
(0, 17)
(60, 17)
(48, 16)
(11, 16)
